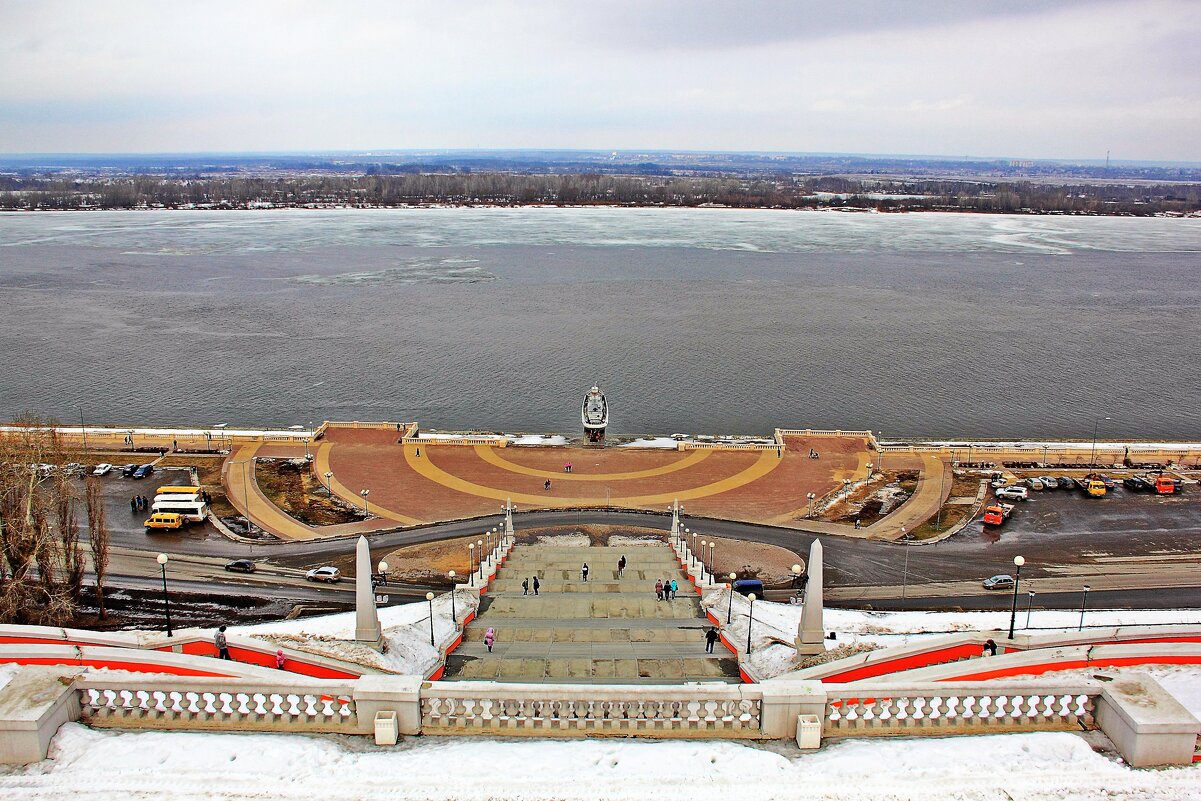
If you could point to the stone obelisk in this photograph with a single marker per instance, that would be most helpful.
(366, 621)
(811, 634)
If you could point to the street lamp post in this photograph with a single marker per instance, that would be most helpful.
(712, 545)
(812, 497)
(162, 563)
(471, 560)
(702, 559)
(796, 576)
(329, 489)
(1018, 561)
(1083, 606)
(730, 608)
(1092, 459)
(495, 546)
(905, 571)
(750, 619)
(481, 544)
(692, 555)
(365, 493)
(879, 452)
(453, 616)
(429, 596)
(383, 572)
(1029, 606)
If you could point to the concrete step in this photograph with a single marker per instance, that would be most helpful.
(519, 632)
(500, 586)
(569, 606)
(599, 670)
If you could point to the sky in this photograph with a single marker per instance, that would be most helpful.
(1013, 78)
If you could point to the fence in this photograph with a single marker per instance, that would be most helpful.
(549, 710)
(217, 704)
(958, 708)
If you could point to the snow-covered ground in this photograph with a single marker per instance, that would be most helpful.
(406, 630)
(185, 766)
(776, 624)
(7, 671)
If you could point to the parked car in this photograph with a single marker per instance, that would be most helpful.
(1049, 482)
(143, 471)
(102, 469)
(1034, 483)
(1066, 483)
(240, 566)
(997, 483)
(1108, 482)
(1136, 484)
(1014, 493)
(128, 470)
(75, 470)
(747, 586)
(327, 573)
(1002, 582)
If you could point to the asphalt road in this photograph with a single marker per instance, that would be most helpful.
(1133, 549)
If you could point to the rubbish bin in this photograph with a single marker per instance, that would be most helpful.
(386, 728)
(808, 731)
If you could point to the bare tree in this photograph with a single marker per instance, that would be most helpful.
(98, 540)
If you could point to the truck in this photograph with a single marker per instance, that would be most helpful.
(997, 513)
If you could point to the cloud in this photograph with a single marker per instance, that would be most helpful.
(1017, 78)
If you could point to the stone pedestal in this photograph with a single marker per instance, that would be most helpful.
(32, 706)
(399, 694)
(1148, 726)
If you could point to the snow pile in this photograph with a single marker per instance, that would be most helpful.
(576, 540)
(651, 442)
(538, 439)
(625, 541)
(194, 765)
(773, 633)
(7, 671)
(406, 630)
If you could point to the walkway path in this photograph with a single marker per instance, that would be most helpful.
(608, 629)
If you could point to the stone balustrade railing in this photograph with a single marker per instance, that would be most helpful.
(214, 703)
(666, 711)
(928, 708)
(1146, 724)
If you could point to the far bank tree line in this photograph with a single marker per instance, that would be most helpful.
(43, 558)
(503, 188)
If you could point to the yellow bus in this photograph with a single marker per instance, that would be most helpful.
(179, 490)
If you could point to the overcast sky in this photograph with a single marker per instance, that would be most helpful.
(1013, 78)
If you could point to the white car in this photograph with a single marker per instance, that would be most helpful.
(327, 573)
(102, 469)
(1014, 493)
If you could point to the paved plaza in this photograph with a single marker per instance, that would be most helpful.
(608, 628)
(414, 483)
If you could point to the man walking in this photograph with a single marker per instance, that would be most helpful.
(537, 584)
(621, 566)
(222, 645)
(674, 589)
(710, 638)
(525, 586)
(584, 572)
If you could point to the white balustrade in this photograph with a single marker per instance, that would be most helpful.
(954, 708)
(549, 710)
(207, 703)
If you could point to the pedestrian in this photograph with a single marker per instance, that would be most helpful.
(133, 503)
(584, 572)
(222, 645)
(857, 525)
(990, 648)
(710, 638)
(174, 445)
(145, 503)
(279, 660)
(659, 589)
(674, 589)
(418, 453)
(489, 638)
(621, 566)
(536, 585)
(525, 587)
(546, 484)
